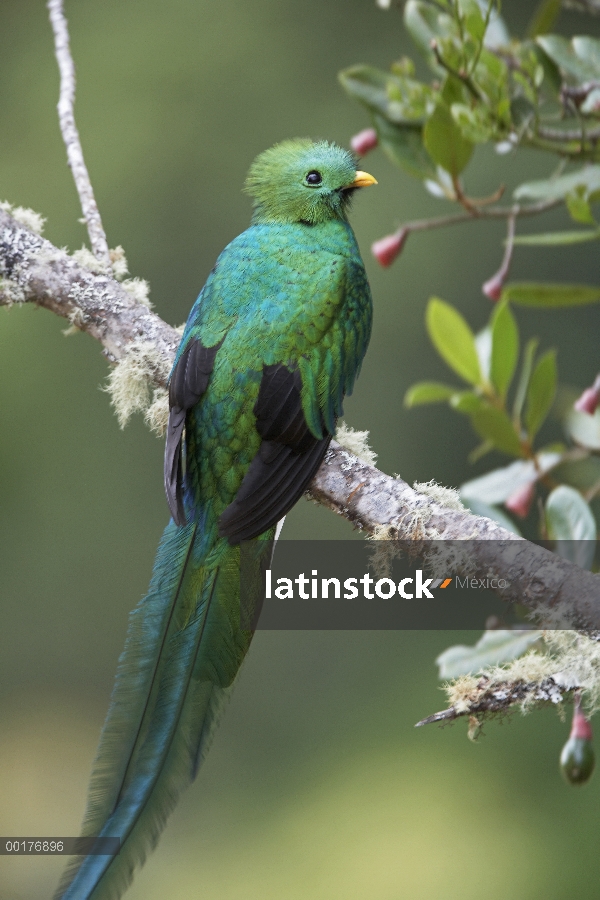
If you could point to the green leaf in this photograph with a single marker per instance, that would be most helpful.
(399, 99)
(550, 295)
(497, 486)
(497, 34)
(367, 85)
(427, 392)
(403, 144)
(475, 124)
(472, 18)
(424, 23)
(529, 95)
(404, 67)
(410, 101)
(526, 369)
(558, 238)
(582, 474)
(586, 178)
(491, 512)
(505, 348)
(493, 648)
(522, 111)
(579, 57)
(571, 524)
(591, 104)
(494, 425)
(584, 429)
(483, 345)
(587, 49)
(552, 78)
(445, 143)
(579, 209)
(544, 17)
(453, 339)
(568, 517)
(542, 389)
(466, 402)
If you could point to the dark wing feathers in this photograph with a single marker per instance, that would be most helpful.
(286, 461)
(174, 464)
(190, 376)
(189, 380)
(270, 495)
(278, 409)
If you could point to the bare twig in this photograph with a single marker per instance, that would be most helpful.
(460, 74)
(388, 248)
(487, 212)
(33, 270)
(70, 134)
(474, 204)
(493, 287)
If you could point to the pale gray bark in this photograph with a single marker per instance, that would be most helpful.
(496, 698)
(70, 134)
(33, 270)
(37, 271)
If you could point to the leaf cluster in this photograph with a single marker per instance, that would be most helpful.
(487, 87)
(497, 369)
(541, 91)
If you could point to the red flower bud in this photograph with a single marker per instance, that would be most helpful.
(389, 247)
(364, 141)
(581, 727)
(577, 756)
(520, 500)
(493, 287)
(588, 402)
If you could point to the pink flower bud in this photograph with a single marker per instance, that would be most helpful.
(364, 141)
(493, 287)
(389, 247)
(588, 402)
(577, 756)
(580, 727)
(520, 500)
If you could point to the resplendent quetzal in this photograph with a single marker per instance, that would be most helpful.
(271, 346)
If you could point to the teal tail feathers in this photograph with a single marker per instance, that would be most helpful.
(184, 647)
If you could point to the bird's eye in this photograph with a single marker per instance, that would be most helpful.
(314, 177)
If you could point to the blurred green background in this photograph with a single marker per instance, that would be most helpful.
(317, 785)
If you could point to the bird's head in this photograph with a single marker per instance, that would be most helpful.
(304, 181)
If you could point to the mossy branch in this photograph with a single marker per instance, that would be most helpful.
(143, 347)
(569, 664)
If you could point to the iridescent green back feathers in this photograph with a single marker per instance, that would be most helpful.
(301, 181)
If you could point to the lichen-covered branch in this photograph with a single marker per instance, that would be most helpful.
(70, 134)
(495, 698)
(570, 662)
(390, 508)
(33, 270)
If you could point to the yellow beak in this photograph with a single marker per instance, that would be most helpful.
(363, 179)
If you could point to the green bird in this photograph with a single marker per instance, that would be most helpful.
(272, 344)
